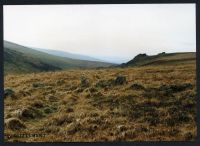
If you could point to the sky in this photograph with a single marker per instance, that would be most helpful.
(114, 32)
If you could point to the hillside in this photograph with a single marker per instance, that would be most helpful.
(20, 59)
(162, 59)
(68, 55)
(148, 103)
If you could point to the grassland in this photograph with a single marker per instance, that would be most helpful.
(148, 103)
(19, 59)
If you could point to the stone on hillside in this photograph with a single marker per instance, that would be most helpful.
(27, 113)
(14, 124)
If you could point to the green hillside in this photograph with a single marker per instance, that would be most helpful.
(20, 59)
(162, 59)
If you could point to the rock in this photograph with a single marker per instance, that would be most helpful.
(27, 113)
(136, 86)
(120, 80)
(9, 92)
(14, 124)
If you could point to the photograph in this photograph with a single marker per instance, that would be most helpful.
(99, 72)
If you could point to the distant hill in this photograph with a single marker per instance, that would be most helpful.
(21, 59)
(161, 59)
(68, 55)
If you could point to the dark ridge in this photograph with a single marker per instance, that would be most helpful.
(144, 59)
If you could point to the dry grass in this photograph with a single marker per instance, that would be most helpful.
(154, 104)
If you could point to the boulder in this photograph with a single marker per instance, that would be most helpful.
(14, 124)
(27, 113)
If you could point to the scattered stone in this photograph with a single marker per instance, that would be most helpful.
(27, 113)
(14, 124)
(120, 80)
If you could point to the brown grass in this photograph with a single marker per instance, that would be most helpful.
(155, 104)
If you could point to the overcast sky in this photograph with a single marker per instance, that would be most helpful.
(114, 33)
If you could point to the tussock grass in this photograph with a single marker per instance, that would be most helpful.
(150, 103)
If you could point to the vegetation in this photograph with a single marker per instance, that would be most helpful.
(133, 103)
(161, 59)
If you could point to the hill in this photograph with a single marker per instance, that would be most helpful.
(68, 55)
(21, 59)
(161, 59)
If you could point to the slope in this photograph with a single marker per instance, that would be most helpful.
(20, 59)
(161, 59)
